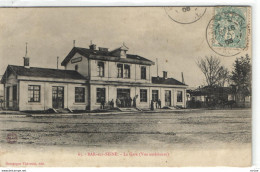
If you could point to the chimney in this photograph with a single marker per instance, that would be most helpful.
(182, 78)
(26, 62)
(165, 74)
(92, 47)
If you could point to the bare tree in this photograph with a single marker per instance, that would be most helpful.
(214, 72)
(223, 76)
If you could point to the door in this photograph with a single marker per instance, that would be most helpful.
(7, 96)
(14, 96)
(57, 97)
(124, 96)
(155, 95)
(167, 98)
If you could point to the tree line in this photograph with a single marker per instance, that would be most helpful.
(217, 75)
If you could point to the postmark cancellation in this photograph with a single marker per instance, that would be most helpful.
(228, 31)
(185, 15)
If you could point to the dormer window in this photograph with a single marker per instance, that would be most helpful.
(101, 67)
(76, 67)
(123, 53)
(120, 52)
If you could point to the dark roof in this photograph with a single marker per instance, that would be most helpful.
(212, 90)
(106, 55)
(167, 81)
(43, 72)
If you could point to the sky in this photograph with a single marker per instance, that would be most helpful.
(146, 31)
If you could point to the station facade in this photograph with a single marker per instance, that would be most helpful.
(91, 77)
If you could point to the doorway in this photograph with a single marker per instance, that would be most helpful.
(124, 97)
(7, 96)
(15, 105)
(57, 97)
(167, 98)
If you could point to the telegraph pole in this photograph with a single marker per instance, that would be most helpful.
(157, 65)
(57, 62)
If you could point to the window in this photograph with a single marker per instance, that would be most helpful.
(179, 96)
(101, 94)
(143, 72)
(79, 94)
(127, 71)
(34, 93)
(143, 95)
(101, 71)
(76, 67)
(120, 70)
(123, 71)
(155, 95)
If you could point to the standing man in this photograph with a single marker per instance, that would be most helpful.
(152, 108)
(130, 101)
(134, 102)
(118, 102)
(112, 103)
(159, 103)
(102, 103)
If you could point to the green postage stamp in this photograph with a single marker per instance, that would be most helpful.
(230, 27)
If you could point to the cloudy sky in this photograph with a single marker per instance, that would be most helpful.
(148, 32)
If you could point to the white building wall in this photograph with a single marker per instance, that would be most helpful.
(25, 105)
(183, 103)
(46, 96)
(82, 65)
(140, 104)
(111, 72)
(111, 93)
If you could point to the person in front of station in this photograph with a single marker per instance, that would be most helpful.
(159, 104)
(118, 102)
(130, 101)
(112, 104)
(134, 101)
(102, 103)
(152, 105)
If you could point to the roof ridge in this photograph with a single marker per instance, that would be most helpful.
(108, 55)
(162, 79)
(45, 72)
(12, 69)
(41, 68)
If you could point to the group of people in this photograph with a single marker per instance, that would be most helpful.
(111, 104)
(156, 104)
(126, 102)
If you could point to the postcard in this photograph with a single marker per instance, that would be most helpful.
(165, 86)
